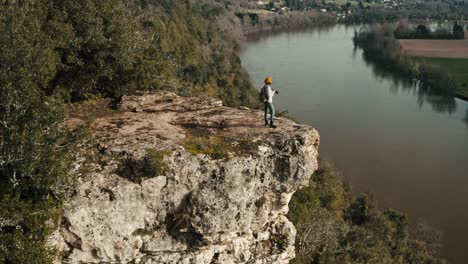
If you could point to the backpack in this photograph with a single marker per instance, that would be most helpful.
(262, 96)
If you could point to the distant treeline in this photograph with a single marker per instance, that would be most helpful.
(378, 43)
(253, 22)
(371, 11)
(404, 31)
(434, 10)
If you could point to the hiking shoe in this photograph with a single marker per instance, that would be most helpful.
(266, 124)
(273, 126)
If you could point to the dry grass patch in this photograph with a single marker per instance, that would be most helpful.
(217, 146)
(435, 48)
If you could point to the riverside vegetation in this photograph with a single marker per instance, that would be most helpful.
(381, 47)
(404, 31)
(253, 23)
(334, 227)
(54, 53)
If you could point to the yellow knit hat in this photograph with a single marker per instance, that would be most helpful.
(268, 80)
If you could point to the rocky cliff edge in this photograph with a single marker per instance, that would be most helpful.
(169, 179)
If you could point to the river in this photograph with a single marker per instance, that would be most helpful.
(408, 148)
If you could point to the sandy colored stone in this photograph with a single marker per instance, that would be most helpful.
(202, 210)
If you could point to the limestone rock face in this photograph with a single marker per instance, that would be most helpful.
(195, 205)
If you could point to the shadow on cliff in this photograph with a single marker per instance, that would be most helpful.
(180, 227)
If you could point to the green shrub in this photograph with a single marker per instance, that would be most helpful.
(279, 241)
(334, 227)
(24, 228)
(34, 148)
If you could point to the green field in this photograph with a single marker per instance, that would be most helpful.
(458, 68)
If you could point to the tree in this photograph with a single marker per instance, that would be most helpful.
(29, 118)
(402, 30)
(458, 31)
(33, 146)
(270, 5)
(98, 47)
(295, 4)
(422, 32)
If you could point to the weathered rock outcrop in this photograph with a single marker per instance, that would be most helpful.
(168, 179)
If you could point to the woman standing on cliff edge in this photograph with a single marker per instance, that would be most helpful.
(268, 94)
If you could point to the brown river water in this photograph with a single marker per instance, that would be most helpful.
(386, 136)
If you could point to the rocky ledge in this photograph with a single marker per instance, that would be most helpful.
(169, 179)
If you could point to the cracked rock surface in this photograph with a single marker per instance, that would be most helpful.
(191, 207)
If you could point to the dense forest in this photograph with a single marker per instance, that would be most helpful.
(114, 47)
(54, 53)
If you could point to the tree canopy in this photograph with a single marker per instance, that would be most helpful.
(335, 227)
(56, 52)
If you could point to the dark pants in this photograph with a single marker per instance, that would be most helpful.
(271, 109)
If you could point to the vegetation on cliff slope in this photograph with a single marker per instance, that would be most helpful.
(334, 227)
(56, 52)
(113, 47)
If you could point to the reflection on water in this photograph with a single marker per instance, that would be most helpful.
(387, 134)
(260, 36)
(444, 103)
